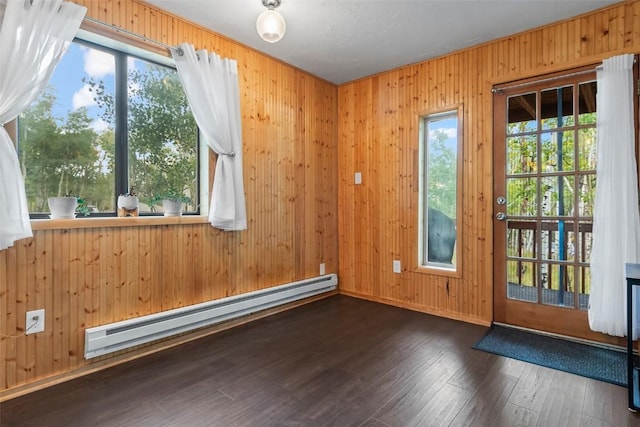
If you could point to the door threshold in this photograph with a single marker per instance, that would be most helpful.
(566, 337)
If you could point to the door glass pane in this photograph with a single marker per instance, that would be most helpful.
(557, 240)
(522, 154)
(557, 107)
(584, 283)
(557, 282)
(522, 196)
(521, 280)
(557, 195)
(521, 239)
(587, 149)
(556, 150)
(587, 103)
(586, 194)
(586, 236)
(521, 113)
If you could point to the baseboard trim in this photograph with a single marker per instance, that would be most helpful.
(421, 309)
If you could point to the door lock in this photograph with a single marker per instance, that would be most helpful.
(501, 216)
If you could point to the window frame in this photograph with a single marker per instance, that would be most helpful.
(121, 51)
(422, 265)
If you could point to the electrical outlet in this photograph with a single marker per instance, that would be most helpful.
(397, 267)
(34, 322)
(357, 178)
(322, 269)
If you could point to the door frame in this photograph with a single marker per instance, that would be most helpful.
(528, 315)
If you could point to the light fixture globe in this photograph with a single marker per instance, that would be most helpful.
(270, 24)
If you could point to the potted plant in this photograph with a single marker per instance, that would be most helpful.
(172, 201)
(128, 204)
(65, 207)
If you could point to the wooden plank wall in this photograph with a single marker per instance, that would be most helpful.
(377, 131)
(91, 276)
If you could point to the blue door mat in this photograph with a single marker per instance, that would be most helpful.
(589, 361)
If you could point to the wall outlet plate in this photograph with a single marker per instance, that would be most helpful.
(322, 269)
(34, 322)
(397, 267)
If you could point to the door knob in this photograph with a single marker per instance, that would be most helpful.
(501, 216)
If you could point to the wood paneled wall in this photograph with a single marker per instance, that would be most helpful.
(377, 131)
(84, 277)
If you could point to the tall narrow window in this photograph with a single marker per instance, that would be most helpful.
(440, 146)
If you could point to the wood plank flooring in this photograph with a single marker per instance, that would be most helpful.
(335, 362)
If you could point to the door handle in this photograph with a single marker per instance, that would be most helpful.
(501, 216)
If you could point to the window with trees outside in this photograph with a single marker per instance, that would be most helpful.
(109, 123)
(439, 192)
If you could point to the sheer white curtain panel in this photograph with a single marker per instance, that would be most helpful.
(211, 85)
(34, 34)
(616, 220)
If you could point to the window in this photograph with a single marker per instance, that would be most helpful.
(109, 122)
(440, 195)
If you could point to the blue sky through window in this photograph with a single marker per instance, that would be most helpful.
(71, 92)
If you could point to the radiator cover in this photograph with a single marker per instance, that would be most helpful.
(117, 336)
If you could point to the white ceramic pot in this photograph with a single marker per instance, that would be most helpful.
(128, 202)
(62, 207)
(172, 207)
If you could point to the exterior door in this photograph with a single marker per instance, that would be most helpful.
(544, 159)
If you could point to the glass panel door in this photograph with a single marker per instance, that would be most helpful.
(544, 187)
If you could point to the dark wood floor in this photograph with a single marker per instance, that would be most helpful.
(336, 362)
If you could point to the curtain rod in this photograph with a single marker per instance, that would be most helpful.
(129, 33)
(548, 79)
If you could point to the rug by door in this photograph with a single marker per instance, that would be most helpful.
(581, 359)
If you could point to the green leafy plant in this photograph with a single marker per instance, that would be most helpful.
(82, 207)
(131, 193)
(169, 194)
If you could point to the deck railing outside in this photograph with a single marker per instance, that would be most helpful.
(550, 276)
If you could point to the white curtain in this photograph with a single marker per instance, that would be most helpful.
(616, 221)
(211, 85)
(34, 34)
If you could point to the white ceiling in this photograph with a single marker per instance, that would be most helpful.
(343, 40)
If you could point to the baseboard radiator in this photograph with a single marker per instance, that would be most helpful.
(117, 336)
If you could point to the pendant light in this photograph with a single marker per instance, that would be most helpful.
(270, 24)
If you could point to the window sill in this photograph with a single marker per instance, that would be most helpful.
(436, 271)
(58, 224)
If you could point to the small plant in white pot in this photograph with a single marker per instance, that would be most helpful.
(65, 207)
(62, 207)
(128, 204)
(172, 202)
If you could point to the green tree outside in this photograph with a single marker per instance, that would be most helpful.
(65, 155)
